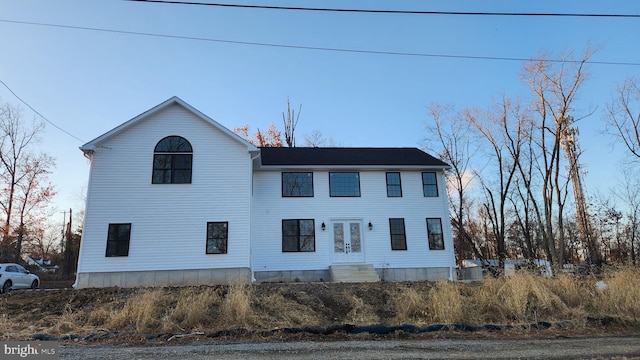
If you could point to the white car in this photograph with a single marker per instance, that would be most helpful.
(14, 276)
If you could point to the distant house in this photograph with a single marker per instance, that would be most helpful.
(42, 264)
(176, 198)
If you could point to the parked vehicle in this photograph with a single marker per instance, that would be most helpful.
(14, 276)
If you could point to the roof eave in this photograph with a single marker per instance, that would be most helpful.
(93, 144)
(352, 167)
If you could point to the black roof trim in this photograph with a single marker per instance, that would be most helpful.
(347, 156)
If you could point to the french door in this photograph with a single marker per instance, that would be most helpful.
(347, 241)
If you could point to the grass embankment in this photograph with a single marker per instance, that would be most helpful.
(521, 299)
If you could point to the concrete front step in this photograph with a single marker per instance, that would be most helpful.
(353, 273)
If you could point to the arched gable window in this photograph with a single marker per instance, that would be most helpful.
(172, 161)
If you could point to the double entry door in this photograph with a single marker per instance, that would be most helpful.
(347, 241)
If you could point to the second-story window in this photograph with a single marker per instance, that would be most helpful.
(394, 188)
(172, 161)
(429, 184)
(344, 184)
(297, 184)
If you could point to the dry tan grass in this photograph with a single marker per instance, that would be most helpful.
(522, 298)
(145, 312)
(99, 317)
(195, 307)
(411, 306)
(481, 305)
(569, 288)
(235, 309)
(622, 297)
(361, 313)
(8, 327)
(445, 303)
(275, 311)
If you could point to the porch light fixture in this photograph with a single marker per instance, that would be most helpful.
(323, 226)
(370, 225)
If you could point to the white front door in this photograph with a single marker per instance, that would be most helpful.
(347, 241)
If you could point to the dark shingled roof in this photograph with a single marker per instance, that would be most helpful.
(324, 156)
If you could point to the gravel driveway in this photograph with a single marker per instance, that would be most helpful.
(566, 348)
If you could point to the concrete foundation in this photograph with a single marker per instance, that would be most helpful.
(226, 276)
(293, 276)
(406, 274)
(164, 278)
(415, 274)
(470, 274)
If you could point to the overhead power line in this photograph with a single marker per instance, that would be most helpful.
(415, 12)
(317, 48)
(42, 116)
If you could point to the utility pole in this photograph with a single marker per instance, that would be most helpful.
(62, 233)
(67, 255)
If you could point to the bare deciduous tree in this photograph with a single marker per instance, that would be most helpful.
(318, 139)
(447, 138)
(25, 187)
(503, 129)
(628, 191)
(623, 115)
(34, 195)
(555, 86)
(290, 122)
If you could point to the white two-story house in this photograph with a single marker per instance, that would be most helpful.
(176, 198)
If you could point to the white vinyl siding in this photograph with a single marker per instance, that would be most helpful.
(168, 222)
(269, 208)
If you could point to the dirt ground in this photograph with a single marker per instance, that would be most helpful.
(61, 312)
(329, 303)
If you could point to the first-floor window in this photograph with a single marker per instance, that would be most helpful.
(217, 236)
(298, 235)
(434, 232)
(398, 234)
(118, 240)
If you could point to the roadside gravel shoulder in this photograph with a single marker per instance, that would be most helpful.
(559, 348)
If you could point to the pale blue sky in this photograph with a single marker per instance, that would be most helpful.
(88, 82)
